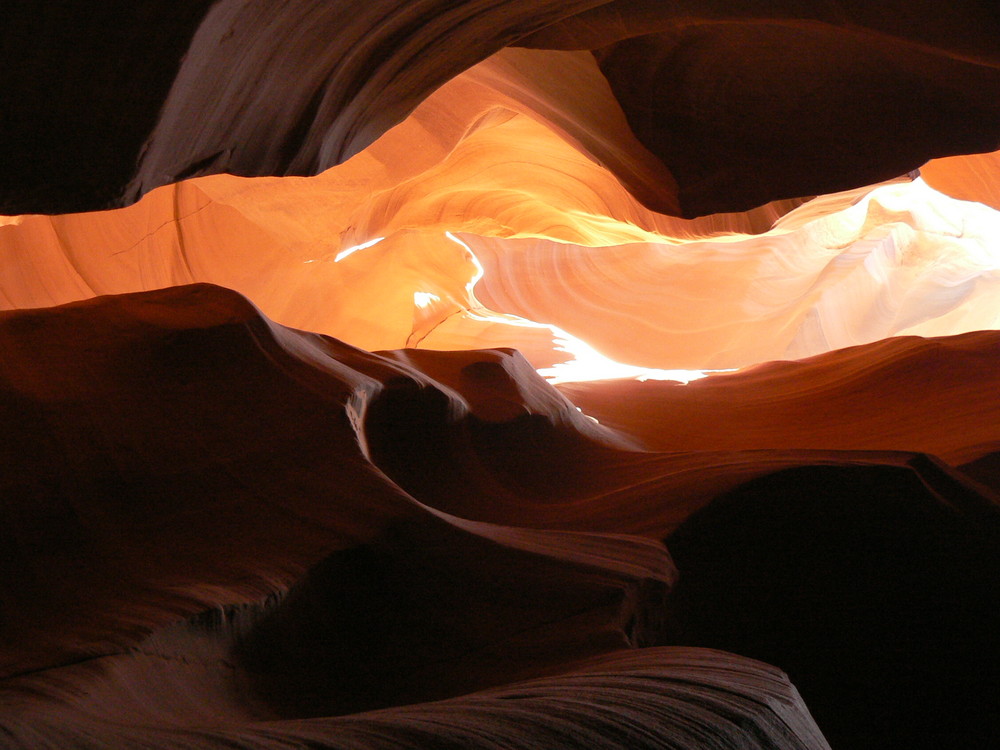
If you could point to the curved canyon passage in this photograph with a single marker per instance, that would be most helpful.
(500, 375)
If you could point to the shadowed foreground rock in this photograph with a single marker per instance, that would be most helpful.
(220, 530)
(874, 588)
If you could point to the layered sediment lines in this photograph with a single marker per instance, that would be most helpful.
(696, 95)
(464, 249)
(974, 177)
(277, 464)
(906, 393)
(496, 211)
(645, 699)
(838, 271)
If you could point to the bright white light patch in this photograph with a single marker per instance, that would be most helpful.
(587, 362)
(590, 364)
(354, 248)
(423, 299)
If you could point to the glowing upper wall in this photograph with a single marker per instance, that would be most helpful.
(458, 204)
(482, 220)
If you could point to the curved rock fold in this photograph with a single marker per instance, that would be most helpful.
(483, 374)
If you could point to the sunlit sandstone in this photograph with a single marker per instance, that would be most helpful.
(489, 448)
(483, 205)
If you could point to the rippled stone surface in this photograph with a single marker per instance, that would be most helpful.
(281, 458)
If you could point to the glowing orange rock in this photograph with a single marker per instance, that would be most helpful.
(497, 228)
(973, 177)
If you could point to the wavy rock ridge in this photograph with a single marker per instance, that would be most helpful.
(281, 458)
(335, 460)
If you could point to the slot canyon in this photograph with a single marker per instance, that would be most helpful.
(522, 374)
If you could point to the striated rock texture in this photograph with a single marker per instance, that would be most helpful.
(901, 393)
(384, 529)
(973, 178)
(126, 519)
(727, 105)
(281, 458)
(458, 247)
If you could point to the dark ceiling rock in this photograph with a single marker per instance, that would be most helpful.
(965, 29)
(81, 85)
(746, 113)
(744, 106)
